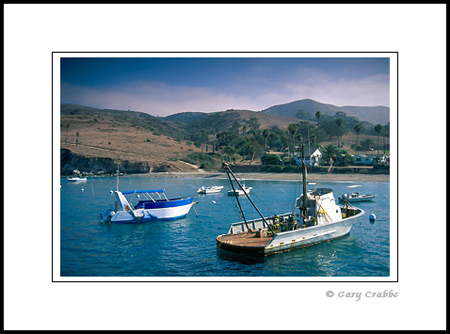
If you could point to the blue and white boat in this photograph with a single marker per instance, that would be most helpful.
(151, 205)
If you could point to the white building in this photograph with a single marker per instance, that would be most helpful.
(312, 158)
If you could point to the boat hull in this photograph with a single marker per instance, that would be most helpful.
(177, 209)
(77, 179)
(209, 191)
(356, 199)
(250, 242)
(238, 192)
(308, 236)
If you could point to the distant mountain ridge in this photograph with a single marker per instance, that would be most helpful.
(222, 120)
(374, 115)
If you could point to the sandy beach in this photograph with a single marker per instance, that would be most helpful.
(280, 176)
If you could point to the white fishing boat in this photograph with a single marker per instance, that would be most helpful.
(210, 190)
(356, 197)
(319, 219)
(77, 179)
(240, 192)
(151, 205)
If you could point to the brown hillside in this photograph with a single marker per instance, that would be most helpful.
(109, 136)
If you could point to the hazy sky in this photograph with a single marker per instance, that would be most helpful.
(164, 86)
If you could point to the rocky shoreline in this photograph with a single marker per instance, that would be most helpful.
(77, 165)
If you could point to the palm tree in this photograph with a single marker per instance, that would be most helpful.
(318, 114)
(204, 139)
(329, 152)
(266, 134)
(378, 129)
(339, 123)
(250, 149)
(67, 131)
(292, 128)
(358, 128)
(229, 151)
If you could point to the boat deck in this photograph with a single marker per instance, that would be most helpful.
(250, 241)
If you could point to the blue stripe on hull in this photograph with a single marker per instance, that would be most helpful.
(160, 204)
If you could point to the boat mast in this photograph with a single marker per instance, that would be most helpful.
(235, 194)
(117, 180)
(228, 170)
(305, 198)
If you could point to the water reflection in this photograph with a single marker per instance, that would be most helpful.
(245, 259)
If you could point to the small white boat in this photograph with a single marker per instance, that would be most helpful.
(240, 192)
(210, 190)
(154, 206)
(77, 179)
(356, 197)
(320, 219)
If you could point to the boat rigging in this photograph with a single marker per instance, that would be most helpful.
(321, 219)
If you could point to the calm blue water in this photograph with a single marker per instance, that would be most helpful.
(187, 248)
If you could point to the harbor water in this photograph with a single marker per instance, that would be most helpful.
(187, 248)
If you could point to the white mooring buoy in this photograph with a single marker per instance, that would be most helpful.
(372, 217)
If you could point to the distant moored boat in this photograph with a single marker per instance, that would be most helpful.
(77, 179)
(356, 197)
(209, 190)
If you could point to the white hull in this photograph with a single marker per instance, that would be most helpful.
(309, 236)
(147, 210)
(77, 179)
(239, 192)
(146, 215)
(210, 190)
(356, 198)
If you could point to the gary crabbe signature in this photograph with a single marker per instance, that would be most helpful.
(359, 295)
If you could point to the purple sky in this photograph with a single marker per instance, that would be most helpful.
(164, 86)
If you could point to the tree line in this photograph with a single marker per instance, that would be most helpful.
(249, 141)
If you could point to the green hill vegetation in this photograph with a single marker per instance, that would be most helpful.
(188, 141)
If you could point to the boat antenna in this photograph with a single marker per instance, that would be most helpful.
(305, 198)
(117, 181)
(228, 170)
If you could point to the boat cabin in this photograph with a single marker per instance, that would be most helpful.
(321, 206)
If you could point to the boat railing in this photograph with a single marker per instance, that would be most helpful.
(279, 223)
(350, 212)
(146, 193)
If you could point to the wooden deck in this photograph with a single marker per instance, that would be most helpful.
(249, 242)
